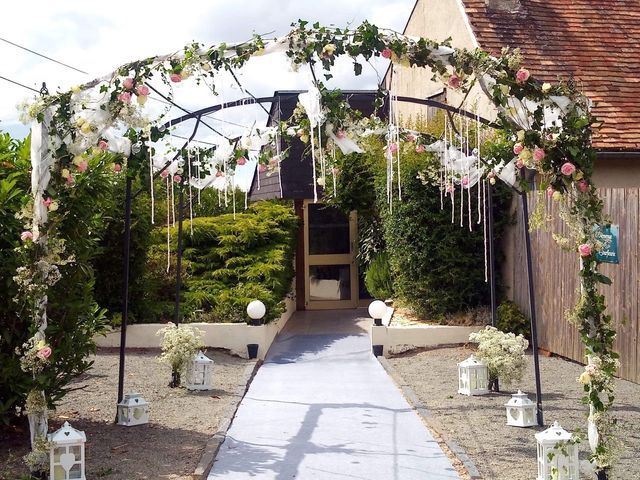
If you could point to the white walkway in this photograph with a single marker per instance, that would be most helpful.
(322, 407)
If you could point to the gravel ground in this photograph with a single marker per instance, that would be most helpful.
(169, 447)
(478, 424)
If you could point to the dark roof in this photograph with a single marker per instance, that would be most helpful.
(595, 41)
(296, 170)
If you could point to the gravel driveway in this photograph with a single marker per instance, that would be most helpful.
(478, 424)
(169, 447)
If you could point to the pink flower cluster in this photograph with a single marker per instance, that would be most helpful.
(454, 81)
(44, 353)
(585, 250)
(393, 147)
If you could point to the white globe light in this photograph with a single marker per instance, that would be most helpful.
(256, 310)
(377, 309)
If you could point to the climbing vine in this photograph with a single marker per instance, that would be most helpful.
(549, 127)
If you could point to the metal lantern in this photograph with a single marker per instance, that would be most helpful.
(133, 410)
(66, 456)
(521, 411)
(200, 373)
(557, 455)
(377, 310)
(473, 377)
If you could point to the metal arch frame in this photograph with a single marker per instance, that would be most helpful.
(198, 114)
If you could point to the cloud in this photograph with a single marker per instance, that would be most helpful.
(99, 37)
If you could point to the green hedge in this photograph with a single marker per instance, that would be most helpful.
(437, 267)
(226, 263)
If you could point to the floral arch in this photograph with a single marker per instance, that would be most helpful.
(549, 126)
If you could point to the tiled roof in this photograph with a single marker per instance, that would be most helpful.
(596, 41)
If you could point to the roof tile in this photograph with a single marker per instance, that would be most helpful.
(596, 42)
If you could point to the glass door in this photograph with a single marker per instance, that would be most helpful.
(331, 273)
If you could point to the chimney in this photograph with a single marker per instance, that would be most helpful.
(507, 6)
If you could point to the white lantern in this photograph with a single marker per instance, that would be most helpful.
(557, 455)
(256, 310)
(133, 410)
(377, 310)
(200, 373)
(473, 377)
(66, 457)
(521, 411)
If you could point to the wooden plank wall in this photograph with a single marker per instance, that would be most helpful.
(556, 281)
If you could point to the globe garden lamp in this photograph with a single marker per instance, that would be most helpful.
(256, 310)
(377, 310)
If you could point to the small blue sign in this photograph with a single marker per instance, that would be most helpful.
(608, 235)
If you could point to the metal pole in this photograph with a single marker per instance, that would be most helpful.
(176, 315)
(492, 260)
(125, 289)
(532, 307)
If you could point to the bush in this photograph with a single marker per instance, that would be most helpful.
(511, 319)
(502, 353)
(378, 277)
(226, 263)
(73, 315)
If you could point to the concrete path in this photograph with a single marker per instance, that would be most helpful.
(322, 407)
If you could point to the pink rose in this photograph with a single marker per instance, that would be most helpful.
(47, 202)
(341, 134)
(411, 138)
(241, 161)
(70, 180)
(517, 148)
(175, 77)
(386, 53)
(393, 147)
(420, 149)
(583, 186)
(585, 250)
(568, 168)
(124, 97)
(335, 170)
(44, 353)
(465, 181)
(103, 145)
(117, 167)
(164, 173)
(550, 191)
(261, 168)
(519, 163)
(454, 81)
(142, 90)
(273, 161)
(26, 235)
(449, 188)
(219, 173)
(82, 166)
(491, 174)
(177, 178)
(128, 83)
(538, 154)
(522, 75)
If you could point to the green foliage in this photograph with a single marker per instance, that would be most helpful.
(73, 316)
(227, 263)
(511, 319)
(378, 277)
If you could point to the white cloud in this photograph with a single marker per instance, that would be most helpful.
(97, 37)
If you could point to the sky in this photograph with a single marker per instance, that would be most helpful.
(97, 37)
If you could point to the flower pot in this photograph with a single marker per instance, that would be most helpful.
(252, 350)
(377, 350)
(254, 323)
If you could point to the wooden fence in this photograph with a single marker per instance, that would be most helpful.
(556, 280)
